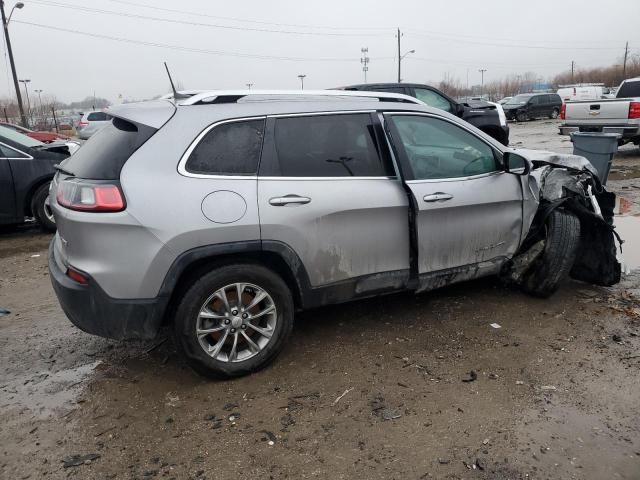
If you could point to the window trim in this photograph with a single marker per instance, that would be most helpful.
(182, 164)
(497, 152)
(26, 155)
(370, 112)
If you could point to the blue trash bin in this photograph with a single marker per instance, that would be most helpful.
(598, 148)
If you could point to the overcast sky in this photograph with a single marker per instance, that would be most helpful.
(242, 41)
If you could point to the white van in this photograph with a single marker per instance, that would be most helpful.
(584, 91)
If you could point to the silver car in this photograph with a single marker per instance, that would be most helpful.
(222, 214)
(91, 122)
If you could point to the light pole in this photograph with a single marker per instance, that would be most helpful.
(301, 77)
(249, 85)
(5, 26)
(482, 70)
(400, 61)
(39, 92)
(364, 60)
(26, 92)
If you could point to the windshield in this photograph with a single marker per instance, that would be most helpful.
(17, 137)
(518, 100)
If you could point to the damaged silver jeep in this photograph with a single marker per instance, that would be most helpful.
(220, 214)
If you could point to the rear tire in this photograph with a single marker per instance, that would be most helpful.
(554, 114)
(203, 308)
(556, 261)
(42, 210)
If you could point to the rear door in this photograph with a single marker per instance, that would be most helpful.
(469, 216)
(328, 191)
(7, 193)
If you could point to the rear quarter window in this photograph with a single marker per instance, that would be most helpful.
(98, 117)
(228, 149)
(629, 90)
(105, 153)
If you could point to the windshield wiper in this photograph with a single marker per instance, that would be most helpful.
(62, 169)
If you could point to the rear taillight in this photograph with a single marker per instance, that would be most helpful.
(83, 122)
(77, 276)
(634, 110)
(563, 111)
(90, 197)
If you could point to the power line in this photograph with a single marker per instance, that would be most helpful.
(242, 20)
(459, 39)
(196, 24)
(186, 49)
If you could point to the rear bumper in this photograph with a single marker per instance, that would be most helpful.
(90, 309)
(624, 131)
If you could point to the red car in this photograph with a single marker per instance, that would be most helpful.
(44, 137)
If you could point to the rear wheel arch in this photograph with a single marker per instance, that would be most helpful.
(194, 264)
(28, 198)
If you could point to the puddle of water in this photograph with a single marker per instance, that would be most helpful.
(628, 227)
(45, 392)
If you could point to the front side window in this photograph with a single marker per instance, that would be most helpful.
(8, 152)
(439, 149)
(341, 145)
(228, 149)
(433, 99)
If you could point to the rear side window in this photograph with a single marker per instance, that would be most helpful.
(629, 90)
(228, 149)
(341, 145)
(98, 117)
(105, 153)
(8, 152)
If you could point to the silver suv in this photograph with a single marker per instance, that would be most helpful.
(223, 214)
(91, 122)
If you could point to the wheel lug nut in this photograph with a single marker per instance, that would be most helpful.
(227, 321)
(233, 330)
(234, 312)
(245, 316)
(244, 326)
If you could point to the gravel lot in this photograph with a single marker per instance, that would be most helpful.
(378, 388)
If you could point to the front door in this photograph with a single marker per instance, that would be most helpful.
(328, 191)
(7, 193)
(469, 216)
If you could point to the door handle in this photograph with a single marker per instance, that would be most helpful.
(289, 200)
(437, 197)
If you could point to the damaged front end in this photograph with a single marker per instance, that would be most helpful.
(568, 183)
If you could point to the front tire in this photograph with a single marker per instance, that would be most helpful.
(41, 208)
(555, 262)
(234, 320)
(522, 117)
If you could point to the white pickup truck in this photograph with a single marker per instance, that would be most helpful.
(617, 115)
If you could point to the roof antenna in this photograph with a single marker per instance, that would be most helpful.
(176, 94)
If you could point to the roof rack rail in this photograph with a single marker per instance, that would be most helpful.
(206, 97)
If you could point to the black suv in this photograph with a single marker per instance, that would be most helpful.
(485, 117)
(528, 106)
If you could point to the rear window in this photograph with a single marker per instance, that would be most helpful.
(105, 153)
(629, 90)
(98, 117)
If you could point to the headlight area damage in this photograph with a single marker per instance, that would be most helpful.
(570, 221)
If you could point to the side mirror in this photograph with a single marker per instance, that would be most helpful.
(459, 109)
(515, 164)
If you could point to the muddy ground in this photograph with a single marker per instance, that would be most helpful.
(378, 388)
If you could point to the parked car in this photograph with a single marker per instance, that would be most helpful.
(487, 117)
(620, 115)
(504, 100)
(26, 169)
(528, 106)
(91, 122)
(41, 136)
(583, 92)
(222, 214)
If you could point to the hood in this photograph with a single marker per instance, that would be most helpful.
(513, 107)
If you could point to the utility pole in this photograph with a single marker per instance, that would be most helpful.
(364, 60)
(399, 56)
(573, 64)
(39, 92)
(482, 70)
(249, 85)
(301, 77)
(624, 63)
(5, 26)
